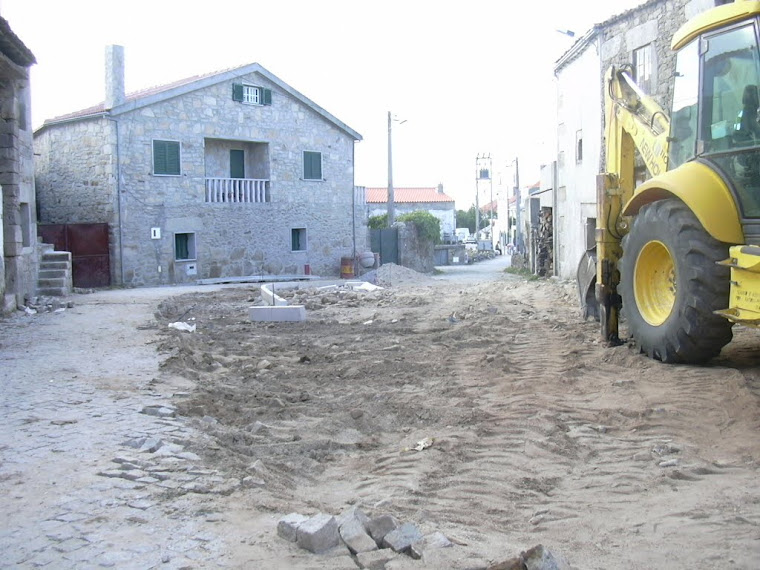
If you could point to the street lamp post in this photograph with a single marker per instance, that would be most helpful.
(518, 204)
(391, 204)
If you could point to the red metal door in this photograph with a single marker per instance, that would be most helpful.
(88, 244)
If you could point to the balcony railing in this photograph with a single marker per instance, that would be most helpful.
(237, 190)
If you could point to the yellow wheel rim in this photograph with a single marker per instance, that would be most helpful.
(654, 283)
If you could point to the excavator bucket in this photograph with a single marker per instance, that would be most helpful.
(586, 280)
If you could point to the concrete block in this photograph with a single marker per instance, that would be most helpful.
(402, 538)
(378, 527)
(288, 525)
(270, 297)
(318, 534)
(292, 313)
(353, 513)
(429, 542)
(377, 559)
(355, 537)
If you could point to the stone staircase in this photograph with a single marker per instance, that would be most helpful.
(55, 272)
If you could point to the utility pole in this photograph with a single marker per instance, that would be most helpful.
(518, 201)
(391, 207)
(477, 202)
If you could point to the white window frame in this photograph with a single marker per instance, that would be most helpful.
(643, 58)
(251, 94)
(191, 249)
(304, 241)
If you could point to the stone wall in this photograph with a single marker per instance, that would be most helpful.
(19, 224)
(414, 252)
(444, 211)
(76, 178)
(231, 239)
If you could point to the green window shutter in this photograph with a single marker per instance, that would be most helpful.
(166, 157)
(266, 96)
(159, 157)
(237, 91)
(312, 165)
(172, 158)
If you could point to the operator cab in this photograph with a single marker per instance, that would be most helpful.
(716, 100)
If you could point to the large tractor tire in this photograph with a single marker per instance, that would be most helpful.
(670, 285)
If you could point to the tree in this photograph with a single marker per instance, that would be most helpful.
(378, 222)
(428, 226)
(466, 219)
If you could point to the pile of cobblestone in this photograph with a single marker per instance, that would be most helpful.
(355, 540)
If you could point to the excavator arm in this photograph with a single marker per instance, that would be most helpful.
(634, 121)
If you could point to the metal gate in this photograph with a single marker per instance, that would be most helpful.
(88, 244)
(385, 242)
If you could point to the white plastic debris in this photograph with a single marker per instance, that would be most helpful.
(362, 286)
(180, 326)
(421, 444)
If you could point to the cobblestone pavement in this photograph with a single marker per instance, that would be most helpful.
(94, 470)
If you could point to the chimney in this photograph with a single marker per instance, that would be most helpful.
(114, 76)
(440, 188)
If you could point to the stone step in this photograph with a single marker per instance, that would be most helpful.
(53, 273)
(56, 282)
(49, 265)
(52, 291)
(56, 256)
(46, 248)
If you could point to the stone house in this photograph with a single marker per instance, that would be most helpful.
(18, 241)
(640, 37)
(407, 200)
(229, 174)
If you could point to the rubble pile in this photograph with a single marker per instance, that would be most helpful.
(390, 274)
(315, 298)
(354, 540)
(41, 304)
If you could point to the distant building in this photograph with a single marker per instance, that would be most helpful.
(406, 200)
(229, 174)
(18, 222)
(640, 37)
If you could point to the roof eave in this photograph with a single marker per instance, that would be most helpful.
(56, 122)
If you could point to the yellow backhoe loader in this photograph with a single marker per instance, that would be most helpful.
(680, 253)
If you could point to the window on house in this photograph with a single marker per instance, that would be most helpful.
(579, 146)
(298, 239)
(642, 67)
(312, 165)
(166, 158)
(251, 94)
(184, 247)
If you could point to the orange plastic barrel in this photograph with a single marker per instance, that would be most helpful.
(346, 267)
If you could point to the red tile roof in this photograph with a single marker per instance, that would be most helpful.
(406, 195)
(101, 108)
(490, 206)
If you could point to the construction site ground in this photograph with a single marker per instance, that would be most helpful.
(126, 443)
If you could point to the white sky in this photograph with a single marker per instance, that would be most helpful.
(469, 77)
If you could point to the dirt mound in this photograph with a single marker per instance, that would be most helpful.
(390, 275)
(533, 420)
